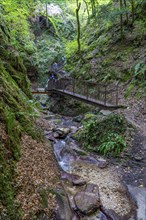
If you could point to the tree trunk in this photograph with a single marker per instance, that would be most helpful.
(46, 16)
(121, 21)
(78, 26)
(133, 10)
(127, 19)
(87, 8)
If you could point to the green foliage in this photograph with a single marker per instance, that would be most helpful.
(138, 81)
(113, 142)
(16, 114)
(14, 131)
(16, 13)
(103, 135)
(7, 194)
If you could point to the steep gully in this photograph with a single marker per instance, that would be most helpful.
(92, 187)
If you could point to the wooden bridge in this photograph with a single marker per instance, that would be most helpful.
(98, 94)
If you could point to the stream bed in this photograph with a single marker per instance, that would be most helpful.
(92, 187)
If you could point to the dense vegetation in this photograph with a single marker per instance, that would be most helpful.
(105, 135)
(16, 110)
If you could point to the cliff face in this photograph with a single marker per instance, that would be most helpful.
(26, 160)
(15, 116)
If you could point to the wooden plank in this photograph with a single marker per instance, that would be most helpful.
(37, 92)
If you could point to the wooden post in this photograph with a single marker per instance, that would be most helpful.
(87, 91)
(60, 84)
(105, 94)
(117, 94)
(98, 95)
(63, 86)
(73, 86)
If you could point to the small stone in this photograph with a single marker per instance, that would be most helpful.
(78, 182)
(78, 118)
(56, 135)
(75, 179)
(106, 112)
(102, 164)
(138, 157)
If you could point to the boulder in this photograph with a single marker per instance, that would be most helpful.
(78, 118)
(74, 179)
(62, 132)
(111, 214)
(88, 201)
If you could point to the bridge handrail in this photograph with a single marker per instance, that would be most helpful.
(103, 90)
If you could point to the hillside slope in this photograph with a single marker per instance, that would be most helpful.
(21, 148)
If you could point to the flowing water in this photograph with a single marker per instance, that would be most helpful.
(92, 188)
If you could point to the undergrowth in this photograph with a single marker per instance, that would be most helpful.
(103, 135)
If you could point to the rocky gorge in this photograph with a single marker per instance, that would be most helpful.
(93, 187)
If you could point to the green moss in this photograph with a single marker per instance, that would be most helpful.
(7, 194)
(17, 113)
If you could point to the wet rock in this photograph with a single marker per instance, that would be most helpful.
(88, 159)
(56, 135)
(72, 203)
(50, 137)
(79, 151)
(62, 132)
(74, 179)
(139, 195)
(110, 214)
(88, 201)
(73, 129)
(78, 118)
(43, 102)
(67, 151)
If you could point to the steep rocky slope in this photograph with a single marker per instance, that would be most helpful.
(24, 156)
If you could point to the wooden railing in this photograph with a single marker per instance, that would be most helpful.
(107, 93)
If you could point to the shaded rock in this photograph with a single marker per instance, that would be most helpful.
(139, 195)
(72, 203)
(79, 151)
(102, 163)
(56, 135)
(110, 214)
(75, 179)
(73, 129)
(78, 118)
(75, 217)
(92, 160)
(67, 151)
(88, 159)
(43, 102)
(87, 203)
(138, 157)
(92, 188)
(62, 132)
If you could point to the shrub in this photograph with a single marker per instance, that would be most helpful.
(104, 135)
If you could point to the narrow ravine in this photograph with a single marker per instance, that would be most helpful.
(92, 188)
